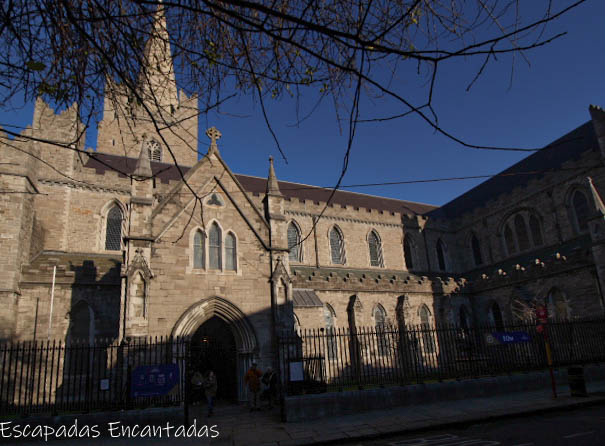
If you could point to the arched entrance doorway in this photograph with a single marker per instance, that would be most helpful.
(213, 347)
(228, 335)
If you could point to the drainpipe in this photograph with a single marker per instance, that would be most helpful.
(52, 300)
(315, 221)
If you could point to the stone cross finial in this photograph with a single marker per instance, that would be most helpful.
(214, 135)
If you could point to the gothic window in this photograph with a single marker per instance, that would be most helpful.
(294, 244)
(557, 305)
(476, 250)
(155, 150)
(214, 246)
(509, 240)
(581, 211)
(113, 230)
(198, 249)
(337, 246)
(331, 345)
(440, 255)
(380, 318)
(230, 252)
(495, 317)
(536, 231)
(521, 230)
(428, 342)
(408, 253)
(375, 249)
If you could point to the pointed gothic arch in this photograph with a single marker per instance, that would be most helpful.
(475, 247)
(244, 335)
(579, 209)
(337, 246)
(112, 225)
(375, 249)
(215, 246)
(294, 244)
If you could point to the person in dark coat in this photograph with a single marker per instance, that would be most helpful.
(269, 381)
(210, 388)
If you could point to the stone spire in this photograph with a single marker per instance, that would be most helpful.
(157, 83)
(272, 185)
(143, 166)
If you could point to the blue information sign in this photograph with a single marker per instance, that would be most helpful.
(154, 380)
(511, 337)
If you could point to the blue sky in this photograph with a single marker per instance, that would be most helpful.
(546, 100)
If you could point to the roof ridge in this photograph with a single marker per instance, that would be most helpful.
(339, 190)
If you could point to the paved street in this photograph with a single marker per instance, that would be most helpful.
(580, 427)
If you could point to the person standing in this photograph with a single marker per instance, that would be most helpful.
(252, 380)
(196, 384)
(210, 387)
(270, 382)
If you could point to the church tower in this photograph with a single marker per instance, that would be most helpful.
(156, 115)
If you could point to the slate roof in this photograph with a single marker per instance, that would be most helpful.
(551, 157)
(305, 298)
(103, 162)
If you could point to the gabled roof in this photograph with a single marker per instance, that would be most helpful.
(257, 185)
(103, 162)
(551, 157)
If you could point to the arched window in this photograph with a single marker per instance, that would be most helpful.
(230, 252)
(495, 316)
(428, 342)
(214, 246)
(294, 242)
(476, 250)
(331, 345)
(581, 211)
(557, 305)
(521, 230)
(536, 231)
(509, 240)
(380, 322)
(337, 246)
(408, 253)
(198, 249)
(464, 318)
(375, 249)
(113, 230)
(440, 255)
(155, 150)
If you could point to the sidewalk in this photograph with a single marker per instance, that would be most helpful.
(238, 426)
(241, 428)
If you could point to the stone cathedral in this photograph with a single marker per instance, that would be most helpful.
(133, 240)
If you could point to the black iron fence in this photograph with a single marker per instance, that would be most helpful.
(52, 377)
(341, 359)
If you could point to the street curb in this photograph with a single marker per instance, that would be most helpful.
(459, 423)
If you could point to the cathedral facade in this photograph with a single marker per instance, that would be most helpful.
(144, 237)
